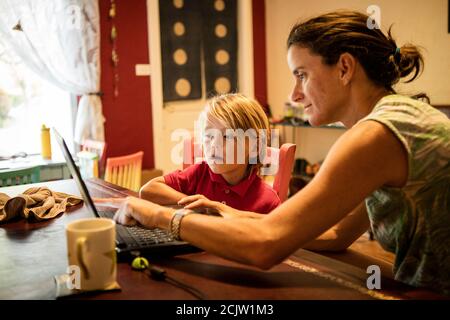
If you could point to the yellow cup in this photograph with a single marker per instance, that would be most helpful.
(46, 147)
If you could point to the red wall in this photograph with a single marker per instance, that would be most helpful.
(128, 126)
(259, 51)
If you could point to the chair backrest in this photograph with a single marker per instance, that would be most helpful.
(20, 176)
(98, 147)
(285, 157)
(125, 171)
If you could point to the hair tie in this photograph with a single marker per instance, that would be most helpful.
(397, 51)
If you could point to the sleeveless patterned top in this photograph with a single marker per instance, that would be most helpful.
(414, 221)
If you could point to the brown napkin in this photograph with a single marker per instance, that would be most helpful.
(39, 203)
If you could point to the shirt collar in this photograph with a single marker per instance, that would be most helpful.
(241, 188)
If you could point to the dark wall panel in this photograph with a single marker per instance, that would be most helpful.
(189, 16)
(226, 17)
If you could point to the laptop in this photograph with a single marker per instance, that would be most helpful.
(130, 241)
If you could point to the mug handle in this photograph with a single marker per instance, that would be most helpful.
(81, 243)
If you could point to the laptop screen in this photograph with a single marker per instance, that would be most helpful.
(75, 173)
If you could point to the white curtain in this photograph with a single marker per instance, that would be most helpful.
(60, 41)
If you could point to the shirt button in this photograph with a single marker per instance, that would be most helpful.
(227, 191)
(224, 202)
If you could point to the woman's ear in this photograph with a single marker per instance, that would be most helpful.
(346, 65)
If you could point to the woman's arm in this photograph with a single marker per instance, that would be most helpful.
(365, 158)
(343, 234)
(157, 191)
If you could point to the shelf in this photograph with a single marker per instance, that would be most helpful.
(303, 177)
(306, 125)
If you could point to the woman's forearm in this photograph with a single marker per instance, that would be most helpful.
(239, 213)
(343, 234)
(246, 242)
(328, 241)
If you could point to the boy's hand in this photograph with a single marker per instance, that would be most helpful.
(199, 201)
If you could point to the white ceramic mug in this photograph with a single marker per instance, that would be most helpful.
(91, 250)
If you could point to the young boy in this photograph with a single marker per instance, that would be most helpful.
(219, 181)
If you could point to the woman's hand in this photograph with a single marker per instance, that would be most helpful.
(132, 210)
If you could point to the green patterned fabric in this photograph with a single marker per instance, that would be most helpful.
(414, 221)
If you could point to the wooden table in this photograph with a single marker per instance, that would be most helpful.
(32, 253)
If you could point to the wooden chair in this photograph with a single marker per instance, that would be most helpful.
(99, 148)
(125, 171)
(284, 158)
(20, 176)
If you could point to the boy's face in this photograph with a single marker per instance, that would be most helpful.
(223, 150)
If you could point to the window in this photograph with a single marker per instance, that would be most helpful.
(27, 101)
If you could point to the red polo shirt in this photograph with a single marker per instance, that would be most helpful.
(251, 194)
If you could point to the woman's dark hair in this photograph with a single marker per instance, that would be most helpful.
(334, 33)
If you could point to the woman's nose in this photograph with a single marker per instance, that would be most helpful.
(297, 94)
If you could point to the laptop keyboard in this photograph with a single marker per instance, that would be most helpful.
(137, 236)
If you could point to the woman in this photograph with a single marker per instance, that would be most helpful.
(390, 170)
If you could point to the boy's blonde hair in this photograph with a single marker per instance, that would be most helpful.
(237, 111)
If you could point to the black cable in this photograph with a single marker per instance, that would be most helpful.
(193, 291)
(160, 274)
